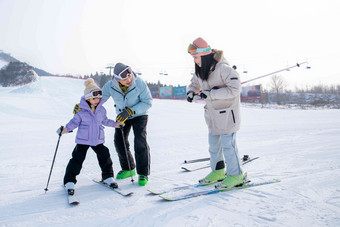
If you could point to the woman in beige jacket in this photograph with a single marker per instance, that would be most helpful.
(219, 84)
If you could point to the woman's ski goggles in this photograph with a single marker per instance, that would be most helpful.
(123, 75)
(94, 94)
(193, 49)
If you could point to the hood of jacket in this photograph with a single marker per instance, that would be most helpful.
(219, 57)
(85, 106)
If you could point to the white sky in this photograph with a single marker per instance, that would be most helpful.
(83, 37)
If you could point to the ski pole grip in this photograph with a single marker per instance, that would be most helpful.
(59, 131)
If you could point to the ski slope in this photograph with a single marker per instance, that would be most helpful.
(300, 147)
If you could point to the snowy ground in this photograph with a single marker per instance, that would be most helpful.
(300, 147)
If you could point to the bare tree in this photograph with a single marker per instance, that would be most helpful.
(278, 86)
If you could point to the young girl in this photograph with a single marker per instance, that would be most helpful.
(90, 120)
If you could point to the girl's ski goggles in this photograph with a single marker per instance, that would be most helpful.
(193, 49)
(123, 75)
(94, 94)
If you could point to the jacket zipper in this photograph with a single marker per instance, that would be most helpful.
(124, 95)
(129, 91)
(117, 91)
(121, 92)
(232, 112)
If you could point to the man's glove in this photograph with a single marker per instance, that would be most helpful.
(76, 108)
(124, 115)
(190, 96)
(205, 94)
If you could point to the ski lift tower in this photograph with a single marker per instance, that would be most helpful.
(110, 66)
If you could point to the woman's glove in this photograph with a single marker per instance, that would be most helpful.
(190, 96)
(205, 94)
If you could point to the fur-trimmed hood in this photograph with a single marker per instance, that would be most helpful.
(218, 56)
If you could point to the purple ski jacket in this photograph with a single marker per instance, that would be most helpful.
(90, 125)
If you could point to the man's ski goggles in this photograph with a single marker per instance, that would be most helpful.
(94, 94)
(193, 49)
(123, 75)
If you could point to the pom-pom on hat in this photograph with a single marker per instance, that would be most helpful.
(90, 86)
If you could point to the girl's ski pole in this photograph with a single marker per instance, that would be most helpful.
(55, 153)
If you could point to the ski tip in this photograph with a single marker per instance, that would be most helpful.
(165, 198)
(74, 203)
(185, 169)
(154, 192)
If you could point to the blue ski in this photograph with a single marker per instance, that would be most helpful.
(158, 191)
(179, 195)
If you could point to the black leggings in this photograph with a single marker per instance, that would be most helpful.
(78, 156)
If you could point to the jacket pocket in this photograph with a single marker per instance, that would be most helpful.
(83, 132)
(101, 135)
(220, 119)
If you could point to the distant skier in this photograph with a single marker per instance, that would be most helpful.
(90, 120)
(219, 84)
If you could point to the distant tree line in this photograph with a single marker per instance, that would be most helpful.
(100, 79)
(158, 84)
(317, 95)
(320, 89)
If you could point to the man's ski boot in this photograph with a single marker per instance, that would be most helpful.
(213, 177)
(69, 188)
(142, 180)
(110, 182)
(125, 174)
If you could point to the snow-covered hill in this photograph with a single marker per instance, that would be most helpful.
(3, 63)
(300, 147)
